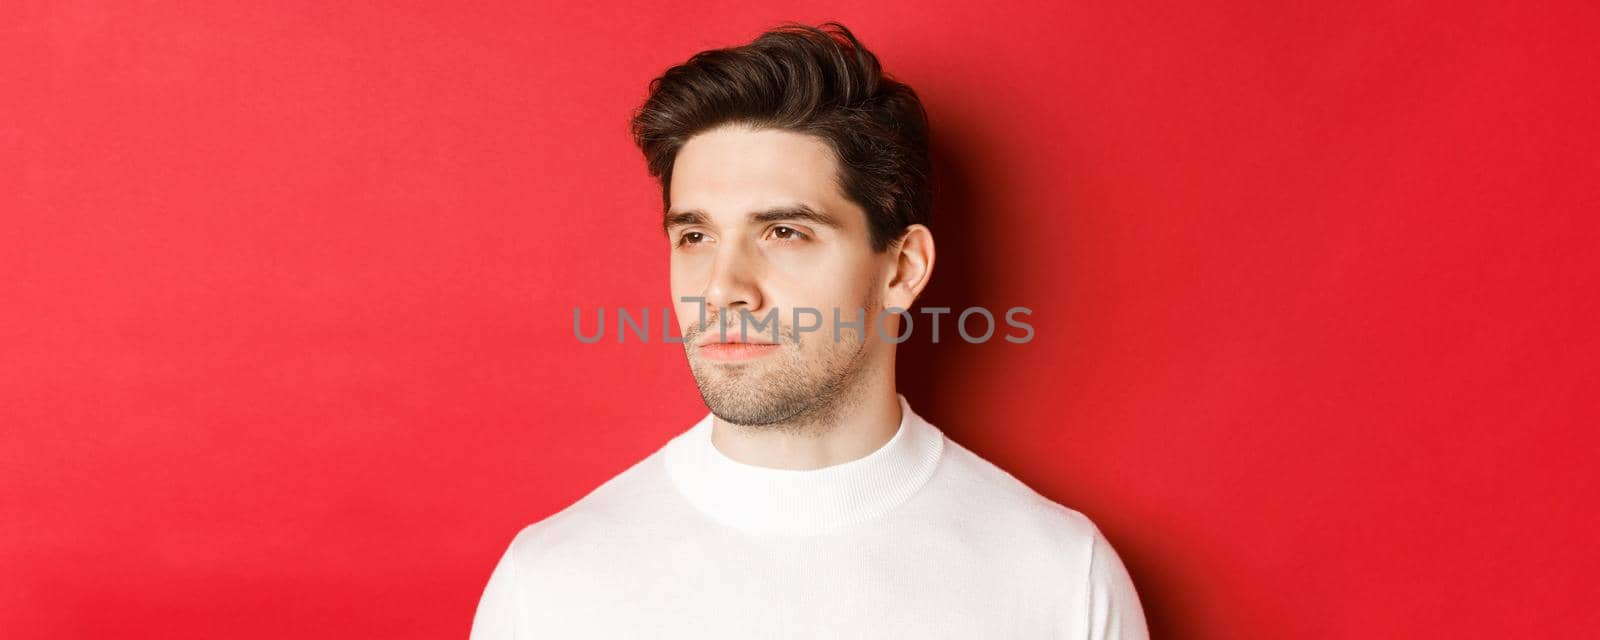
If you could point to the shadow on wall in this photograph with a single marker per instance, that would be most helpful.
(931, 375)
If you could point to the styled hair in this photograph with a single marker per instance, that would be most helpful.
(818, 81)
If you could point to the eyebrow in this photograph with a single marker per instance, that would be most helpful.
(775, 214)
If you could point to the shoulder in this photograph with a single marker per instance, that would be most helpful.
(625, 499)
(1010, 506)
(1059, 556)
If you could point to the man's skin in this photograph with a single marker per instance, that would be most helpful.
(807, 401)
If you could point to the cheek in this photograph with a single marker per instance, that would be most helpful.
(684, 283)
(687, 276)
(806, 261)
(821, 295)
(820, 278)
(687, 311)
(687, 316)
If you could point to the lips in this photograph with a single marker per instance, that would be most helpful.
(736, 350)
(718, 342)
(713, 336)
(731, 339)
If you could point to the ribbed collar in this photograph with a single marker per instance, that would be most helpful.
(771, 501)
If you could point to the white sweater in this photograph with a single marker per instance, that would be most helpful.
(919, 539)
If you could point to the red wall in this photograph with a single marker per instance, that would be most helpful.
(286, 294)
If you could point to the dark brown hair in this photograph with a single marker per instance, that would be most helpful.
(812, 80)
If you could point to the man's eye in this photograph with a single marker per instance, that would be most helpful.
(787, 233)
(692, 237)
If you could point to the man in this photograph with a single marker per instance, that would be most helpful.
(811, 502)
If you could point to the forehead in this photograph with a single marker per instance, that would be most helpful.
(734, 169)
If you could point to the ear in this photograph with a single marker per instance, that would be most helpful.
(913, 265)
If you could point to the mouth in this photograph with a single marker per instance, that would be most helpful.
(734, 351)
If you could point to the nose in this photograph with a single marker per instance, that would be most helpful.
(732, 284)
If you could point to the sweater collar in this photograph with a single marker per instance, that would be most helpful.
(771, 501)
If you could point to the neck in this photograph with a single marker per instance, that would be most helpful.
(849, 428)
(766, 501)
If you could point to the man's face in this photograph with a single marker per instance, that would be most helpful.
(758, 223)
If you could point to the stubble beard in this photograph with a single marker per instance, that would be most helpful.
(791, 390)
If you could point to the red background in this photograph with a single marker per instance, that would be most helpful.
(286, 294)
